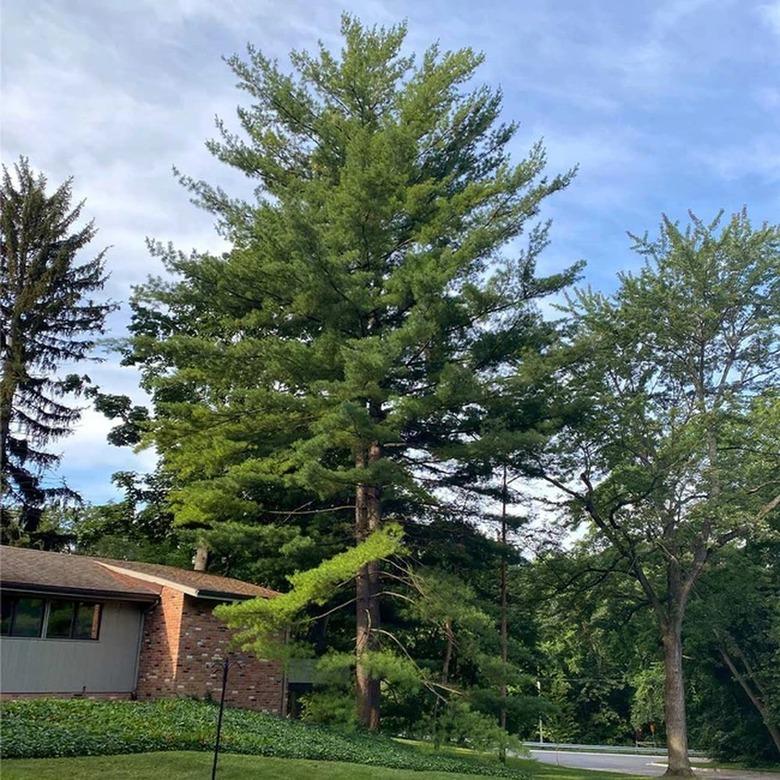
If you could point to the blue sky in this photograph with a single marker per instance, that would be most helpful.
(666, 105)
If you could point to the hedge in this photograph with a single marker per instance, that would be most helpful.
(44, 728)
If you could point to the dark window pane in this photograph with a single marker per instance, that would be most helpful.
(60, 619)
(8, 611)
(87, 623)
(28, 617)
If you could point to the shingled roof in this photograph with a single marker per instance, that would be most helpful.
(196, 583)
(38, 571)
(50, 572)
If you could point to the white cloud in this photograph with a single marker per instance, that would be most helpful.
(758, 158)
(647, 98)
(770, 13)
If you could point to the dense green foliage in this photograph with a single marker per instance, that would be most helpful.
(600, 658)
(81, 727)
(47, 319)
(262, 623)
(733, 642)
(676, 450)
(340, 359)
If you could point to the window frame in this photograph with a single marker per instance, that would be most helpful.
(41, 623)
(77, 603)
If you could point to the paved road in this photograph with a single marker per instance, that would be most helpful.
(640, 766)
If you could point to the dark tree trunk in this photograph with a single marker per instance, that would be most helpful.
(8, 382)
(7, 389)
(674, 703)
(368, 517)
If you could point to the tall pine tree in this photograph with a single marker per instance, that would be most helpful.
(339, 358)
(48, 319)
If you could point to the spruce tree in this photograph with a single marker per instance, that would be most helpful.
(340, 356)
(48, 319)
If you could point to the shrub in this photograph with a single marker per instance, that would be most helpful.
(43, 728)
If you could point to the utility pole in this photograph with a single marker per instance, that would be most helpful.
(541, 724)
(504, 607)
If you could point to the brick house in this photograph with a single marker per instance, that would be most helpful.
(79, 626)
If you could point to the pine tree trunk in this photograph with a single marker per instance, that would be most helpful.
(8, 383)
(7, 389)
(679, 764)
(368, 517)
(6, 401)
(200, 560)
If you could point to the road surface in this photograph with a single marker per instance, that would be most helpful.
(639, 766)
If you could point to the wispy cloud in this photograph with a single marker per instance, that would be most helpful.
(770, 13)
(665, 105)
(759, 158)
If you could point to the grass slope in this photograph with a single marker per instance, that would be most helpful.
(177, 765)
(49, 728)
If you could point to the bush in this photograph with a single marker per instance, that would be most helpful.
(44, 728)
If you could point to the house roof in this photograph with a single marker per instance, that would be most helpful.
(49, 572)
(196, 583)
(35, 570)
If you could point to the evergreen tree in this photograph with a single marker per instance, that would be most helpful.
(48, 319)
(341, 355)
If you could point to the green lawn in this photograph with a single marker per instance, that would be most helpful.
(532, 767)
(49, 728)
(774, 768)
(182, 765)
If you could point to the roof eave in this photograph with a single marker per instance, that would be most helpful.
(198, 593)
(223, 595)
(57, 590)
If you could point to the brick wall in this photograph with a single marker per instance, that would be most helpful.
(182, 652)
(158, 658)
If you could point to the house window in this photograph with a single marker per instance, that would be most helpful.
(60, 622)
(23, 616)
(73, 620)
(86, 623)
(55, 619)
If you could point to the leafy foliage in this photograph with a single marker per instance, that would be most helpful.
(43, 728)
(664, 377)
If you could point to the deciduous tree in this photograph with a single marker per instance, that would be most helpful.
(670, 459)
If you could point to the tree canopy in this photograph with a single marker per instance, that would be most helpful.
(341, 354)
(49, 320)
(673, 449)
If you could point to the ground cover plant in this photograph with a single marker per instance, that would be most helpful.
(46, 728)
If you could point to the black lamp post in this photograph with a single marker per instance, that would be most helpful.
(219, 719)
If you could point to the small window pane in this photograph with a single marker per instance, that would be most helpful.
(8, 611)
(87, 622)
(60, 619)
(28, 617)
